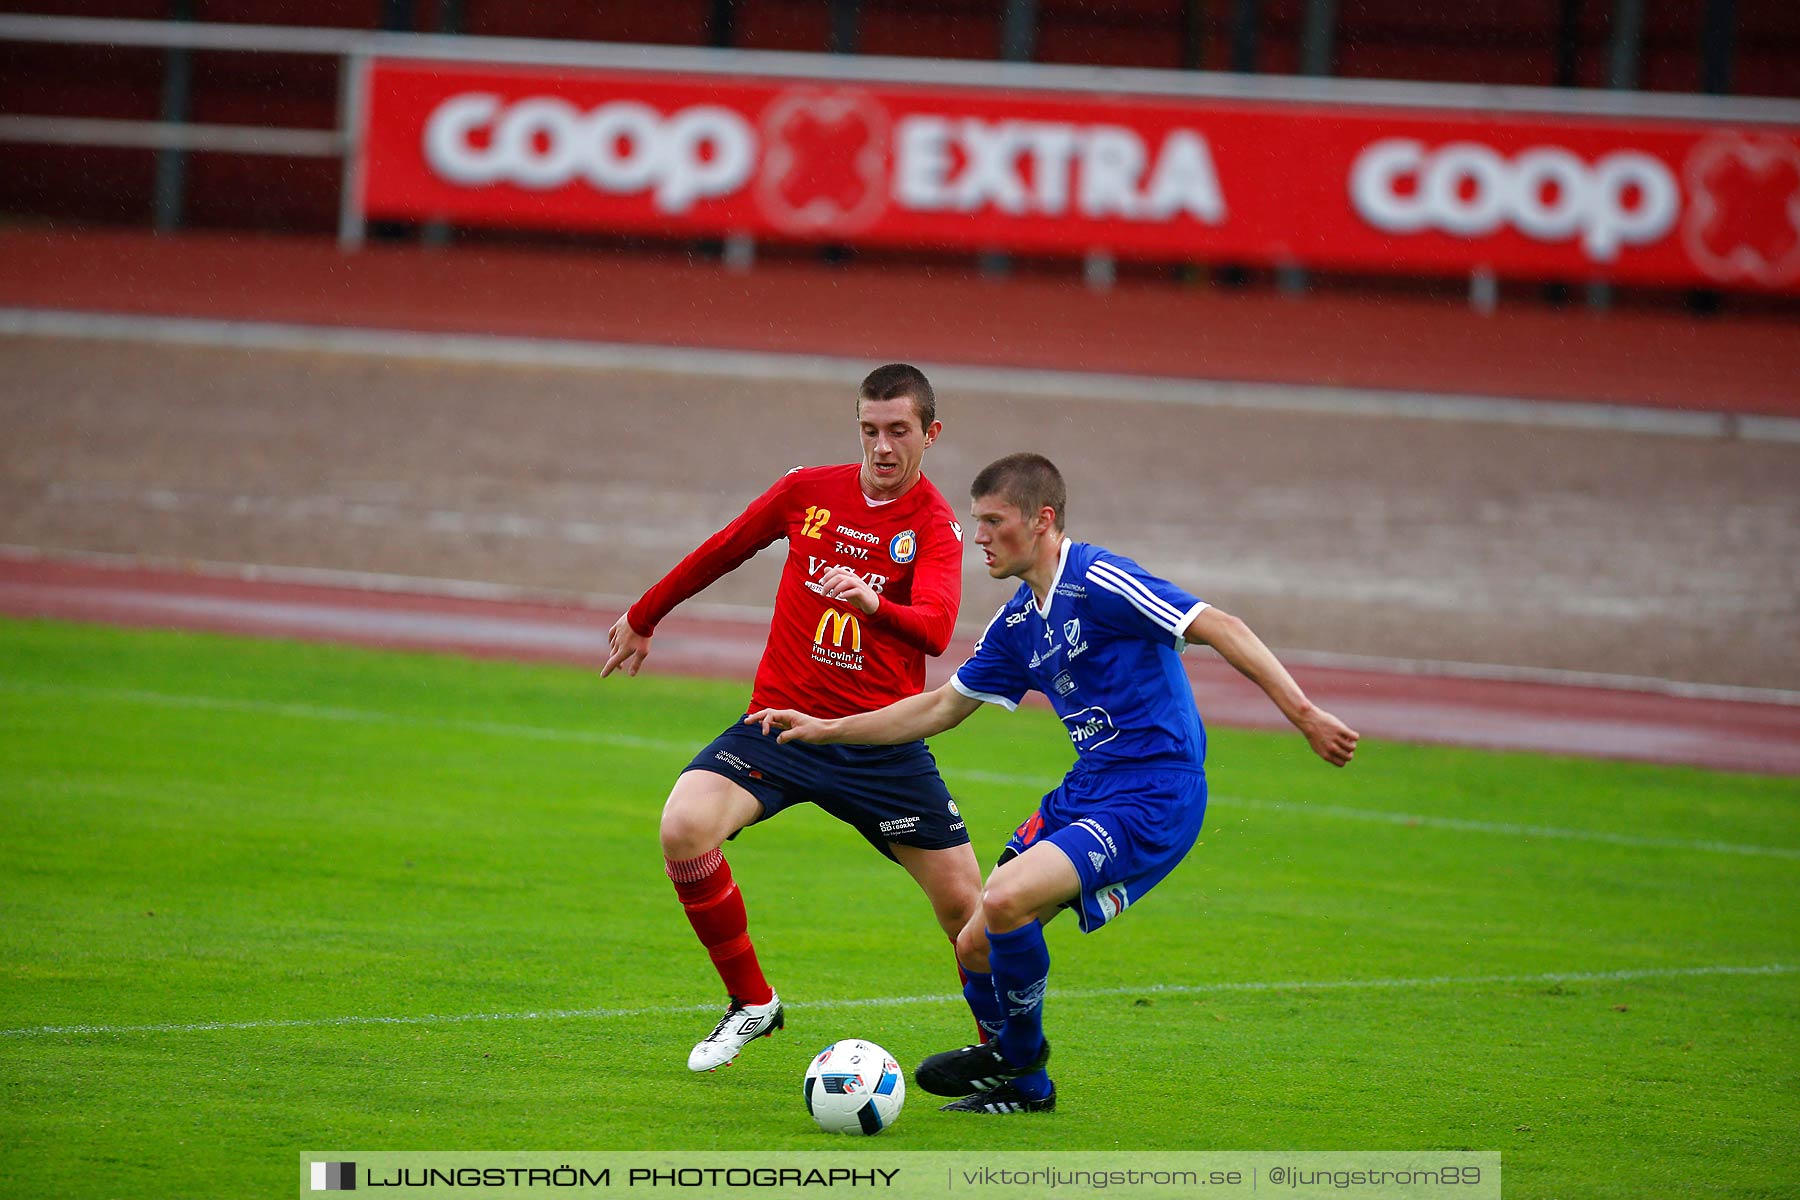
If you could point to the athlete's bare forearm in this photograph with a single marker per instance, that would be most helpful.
(905, 720)
(1237, 644)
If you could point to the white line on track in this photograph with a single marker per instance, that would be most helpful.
(1085, 385)
(317, 712)
(758, 615)
(1154, 989)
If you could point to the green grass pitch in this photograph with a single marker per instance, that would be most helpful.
(260, 897)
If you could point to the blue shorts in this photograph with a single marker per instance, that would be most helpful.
(1123, 829)
(889, 794)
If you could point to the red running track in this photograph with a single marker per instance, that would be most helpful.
(875, 311)
(1548, 718)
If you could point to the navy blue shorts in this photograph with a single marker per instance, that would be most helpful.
(887, 793)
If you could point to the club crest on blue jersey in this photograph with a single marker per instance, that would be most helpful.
(903, 547)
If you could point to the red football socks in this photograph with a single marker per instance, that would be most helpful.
(715, 908)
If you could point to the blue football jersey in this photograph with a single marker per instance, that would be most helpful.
(1106, 652)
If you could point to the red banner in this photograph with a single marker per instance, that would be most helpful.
(1407, 190)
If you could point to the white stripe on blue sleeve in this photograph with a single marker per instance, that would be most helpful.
(1159, 611)
(1181, 642)
(985, 697)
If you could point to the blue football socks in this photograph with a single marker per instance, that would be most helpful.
(1021, 965)
(984, 1003)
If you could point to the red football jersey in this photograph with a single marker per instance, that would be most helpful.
(829, 658)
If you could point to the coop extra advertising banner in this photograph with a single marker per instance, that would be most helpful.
(1411, 190)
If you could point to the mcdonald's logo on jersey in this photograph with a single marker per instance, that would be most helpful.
(840, 623)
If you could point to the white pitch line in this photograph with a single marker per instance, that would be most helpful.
(490, 350)
(1425, 821)
(1154, 989)
(359, 716)
(318, 712)
(1509, 829)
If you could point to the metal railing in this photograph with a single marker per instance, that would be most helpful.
(352, 43)
(354, 49)
(172, 135)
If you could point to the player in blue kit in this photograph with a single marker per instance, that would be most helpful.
(1101, 638)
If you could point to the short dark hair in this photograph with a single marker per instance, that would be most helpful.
(898, 381)
(1028, 482)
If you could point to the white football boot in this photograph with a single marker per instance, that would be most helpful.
(743, 1024)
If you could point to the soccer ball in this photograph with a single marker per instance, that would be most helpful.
(854, 1086)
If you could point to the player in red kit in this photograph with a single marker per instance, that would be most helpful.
(871, 586)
